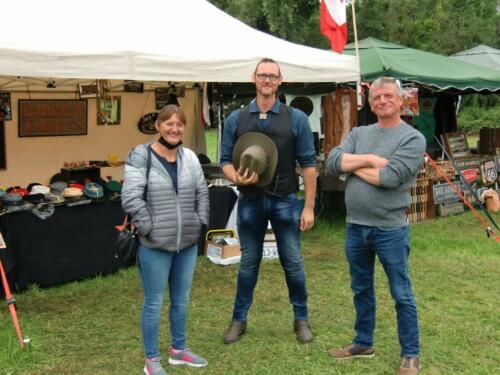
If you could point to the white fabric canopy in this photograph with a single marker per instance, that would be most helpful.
(148, 40)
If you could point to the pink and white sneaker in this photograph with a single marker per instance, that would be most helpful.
(185, 357)
(153, 367)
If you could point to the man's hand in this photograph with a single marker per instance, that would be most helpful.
(352, 162)
(378, 161)
(245, 177)
(306, 219)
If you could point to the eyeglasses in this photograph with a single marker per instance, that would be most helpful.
(263, 76)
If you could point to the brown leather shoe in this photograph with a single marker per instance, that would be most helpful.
(409, 366)
(351, 351)
(303, 331)
(235, 331)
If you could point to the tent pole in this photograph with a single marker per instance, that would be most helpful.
(220, 115)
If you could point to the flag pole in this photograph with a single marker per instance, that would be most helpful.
(355, 34)
(359, 97)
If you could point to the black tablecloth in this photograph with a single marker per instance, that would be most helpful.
(74, 243)
(77, 242)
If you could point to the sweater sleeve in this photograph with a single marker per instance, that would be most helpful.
(334, 159)
(404, 163)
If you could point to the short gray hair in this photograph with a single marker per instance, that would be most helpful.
(379, 82)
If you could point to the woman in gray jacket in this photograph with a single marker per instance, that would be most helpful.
(169, 222)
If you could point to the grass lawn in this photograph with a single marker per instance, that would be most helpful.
(92, 327)
(211, 139)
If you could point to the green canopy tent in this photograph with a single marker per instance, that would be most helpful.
(440, 77)
(480, 55)
(379, 58)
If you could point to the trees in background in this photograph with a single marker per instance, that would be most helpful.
(439, 26)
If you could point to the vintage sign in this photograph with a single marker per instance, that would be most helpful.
(470, 175)
(488, 172)
(467, 163)
(39, 118)
(146, 123)
(444, 193)
(447, 209)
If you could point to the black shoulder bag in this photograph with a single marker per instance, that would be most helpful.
(127, 242)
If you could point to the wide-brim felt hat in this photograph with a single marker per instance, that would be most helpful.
(58, 186)
(19, 190)
(93, 190)
(72, 192)
(12, 199)
(40, 189)
(76, 185)
(54, 198)
(30, 186)
(257, 152)
(114, 186)
(34, 198)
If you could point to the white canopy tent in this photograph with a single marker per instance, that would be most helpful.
(150, 40)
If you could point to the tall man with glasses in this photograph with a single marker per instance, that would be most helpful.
(289, 129)
(383, 160)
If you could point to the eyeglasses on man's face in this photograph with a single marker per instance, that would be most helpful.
(264, 76)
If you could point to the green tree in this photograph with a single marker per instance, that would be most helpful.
(440, 26)
(294, 20)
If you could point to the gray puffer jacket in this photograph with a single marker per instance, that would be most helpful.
(167, 220)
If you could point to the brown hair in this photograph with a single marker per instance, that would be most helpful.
(267, 60)
(168, 111)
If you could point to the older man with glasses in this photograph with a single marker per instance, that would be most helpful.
(277, 202)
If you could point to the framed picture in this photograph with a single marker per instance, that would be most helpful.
(133, 86)
(91, 90)
(43, 118)
(108, 110)
(5, 106)
(161, 97)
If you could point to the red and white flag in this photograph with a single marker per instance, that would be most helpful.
(333, 23)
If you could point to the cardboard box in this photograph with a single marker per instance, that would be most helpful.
(270, 250)
(221, 251)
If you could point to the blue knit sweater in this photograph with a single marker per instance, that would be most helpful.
(383, 205)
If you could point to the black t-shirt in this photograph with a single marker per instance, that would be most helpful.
(170, 166)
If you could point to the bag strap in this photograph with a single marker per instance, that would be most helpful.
(128, 217)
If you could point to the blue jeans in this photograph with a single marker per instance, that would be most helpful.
(253, 215)
(392, 246)
(159, 268)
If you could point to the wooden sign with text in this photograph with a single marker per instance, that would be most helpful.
(43, 118)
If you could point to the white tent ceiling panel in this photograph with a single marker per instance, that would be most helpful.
(174, 40)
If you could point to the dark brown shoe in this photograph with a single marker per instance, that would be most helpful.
(303, 331)
(352, 351)
(235, 331)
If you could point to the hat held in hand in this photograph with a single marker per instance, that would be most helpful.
(258, 153)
